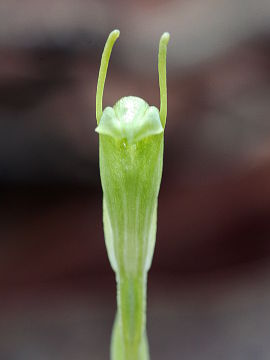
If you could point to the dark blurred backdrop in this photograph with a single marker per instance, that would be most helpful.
(209, 286)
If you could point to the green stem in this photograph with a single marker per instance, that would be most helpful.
(129, 341)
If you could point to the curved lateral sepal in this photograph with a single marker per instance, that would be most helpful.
(162, 56)
(103, 71)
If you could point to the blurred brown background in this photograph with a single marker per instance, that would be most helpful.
(209, 287)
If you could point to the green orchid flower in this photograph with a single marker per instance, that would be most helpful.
(131, 138)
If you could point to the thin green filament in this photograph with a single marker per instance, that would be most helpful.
(162, 55)
(103, 71)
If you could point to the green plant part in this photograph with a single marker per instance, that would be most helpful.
(131, 137)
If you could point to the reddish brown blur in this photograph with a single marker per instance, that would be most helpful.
(209, 293)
